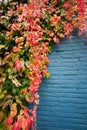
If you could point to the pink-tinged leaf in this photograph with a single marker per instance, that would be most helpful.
(19, 64)
(8, 121)
(15, 126)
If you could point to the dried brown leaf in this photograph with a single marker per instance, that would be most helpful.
(1, 61)
(6, 103)
(18, 101)
(15, 81)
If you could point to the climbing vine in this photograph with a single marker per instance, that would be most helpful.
(27, 31)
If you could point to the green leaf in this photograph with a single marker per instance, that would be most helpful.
(2, 96)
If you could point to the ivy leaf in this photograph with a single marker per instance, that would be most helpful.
(1, 46)
(25, 82)
(9, 127)
(2, 79)
(16, 82)
(15, 126)
(2, 95)
(7, 97)
(1, 62)
(2, 27)
(62, 12)
(1, 115)
(27, 64)
(6, 103)
(18, 101)
(27, 96)
(61, 35)
(13, 111)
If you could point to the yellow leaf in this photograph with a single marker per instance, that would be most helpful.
(13, 111)
(61, 35)
(15, 81)
(1, 115)
(27, 96)
(1, 61)
(1, 46)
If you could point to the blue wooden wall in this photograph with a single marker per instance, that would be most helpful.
(63, 97)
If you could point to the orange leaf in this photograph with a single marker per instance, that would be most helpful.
(13, 111)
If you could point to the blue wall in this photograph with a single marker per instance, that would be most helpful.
(63, 97)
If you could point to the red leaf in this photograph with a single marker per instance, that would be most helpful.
(16, 126)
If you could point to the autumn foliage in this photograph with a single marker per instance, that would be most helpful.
(27, 33)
